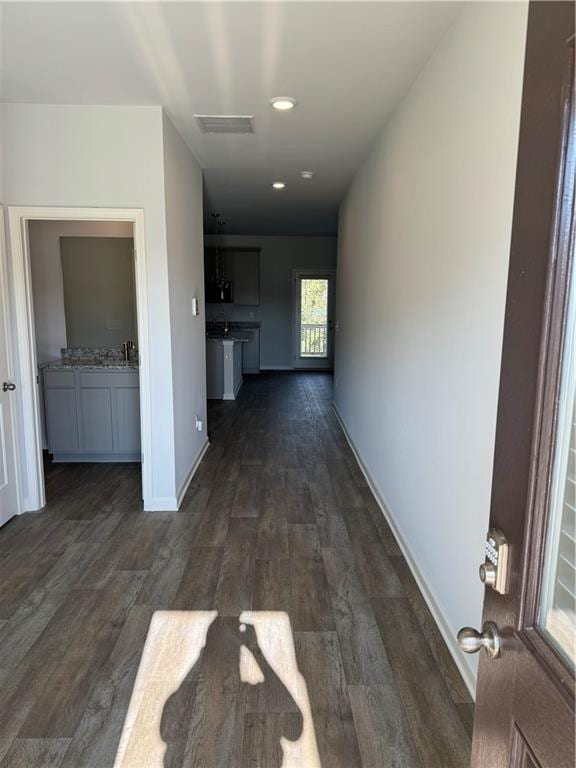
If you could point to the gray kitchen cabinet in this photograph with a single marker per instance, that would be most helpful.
(251, 351)
(246, 277)
(93, 415)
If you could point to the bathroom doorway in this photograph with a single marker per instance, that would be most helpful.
(82, 342)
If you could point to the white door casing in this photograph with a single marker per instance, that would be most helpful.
(10, 504)
(32, 465)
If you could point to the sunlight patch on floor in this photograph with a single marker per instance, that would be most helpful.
(176, 642)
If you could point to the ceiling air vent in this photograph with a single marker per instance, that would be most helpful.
(225, 123)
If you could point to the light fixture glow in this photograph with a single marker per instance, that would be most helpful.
(307, 174)
(283, 103)
(278, 185)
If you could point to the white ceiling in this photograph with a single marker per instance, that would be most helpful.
(347, 63)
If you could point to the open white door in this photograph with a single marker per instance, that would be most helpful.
(9, 498)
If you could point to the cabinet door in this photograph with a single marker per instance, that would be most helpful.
(96, 414)
(62, 420)
(127, 420)
(246, 277)
(251, 352)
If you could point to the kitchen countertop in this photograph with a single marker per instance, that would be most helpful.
(66, 363)
(213, 337)
(238, 324)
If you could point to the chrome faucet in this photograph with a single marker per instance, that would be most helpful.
(128, 348)
(215, 320)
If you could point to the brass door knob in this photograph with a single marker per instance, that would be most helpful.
(470, 640)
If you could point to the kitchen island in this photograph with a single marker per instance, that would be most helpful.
(223, 366)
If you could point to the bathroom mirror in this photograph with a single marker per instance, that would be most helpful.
(99, 291)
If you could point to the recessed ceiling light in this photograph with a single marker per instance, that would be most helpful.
(278, 185)
(307, 174)
(283, 103)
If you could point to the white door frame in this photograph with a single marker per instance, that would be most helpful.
(5, 325)
(297, 361)
(34, 497)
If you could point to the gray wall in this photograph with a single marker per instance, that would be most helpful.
(424, 238)
(278, 257)
(184, 230)
(99, 290)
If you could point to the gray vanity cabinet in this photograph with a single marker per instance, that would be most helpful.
(93, 415)
(61, 414)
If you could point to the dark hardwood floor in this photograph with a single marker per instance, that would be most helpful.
(277, 518)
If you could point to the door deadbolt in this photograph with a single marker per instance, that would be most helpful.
(470, 640)
(494, 570)
(7, 386)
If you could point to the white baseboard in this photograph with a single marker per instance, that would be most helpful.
(161, 504)
(191, 473)
(428, 594)
(172, 503)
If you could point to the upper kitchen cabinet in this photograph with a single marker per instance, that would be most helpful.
(233, 276)
(246, 277)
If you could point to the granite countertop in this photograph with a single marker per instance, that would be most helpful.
(214, 337)
(238, 324)
(67, 363)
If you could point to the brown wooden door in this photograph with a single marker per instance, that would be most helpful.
(525, 697)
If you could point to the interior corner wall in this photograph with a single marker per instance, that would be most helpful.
(184, 230)
(104, 157)
(279, 256)
(424, 238)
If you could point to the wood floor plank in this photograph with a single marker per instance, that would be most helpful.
(310, 600)
(442, 656)
(376, 571)
(35, 753)
(319, 660)
(304, 542)
(272, 588)
(236, 581)
(96, 739)
(363, 654)
(384, 735)
(437, 730)
(197, 586)
(261, 743)
(57, 712)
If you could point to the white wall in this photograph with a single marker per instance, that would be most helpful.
(278, 257)
(184, 225)
(422, 268)
(57, 155)
(46, 273)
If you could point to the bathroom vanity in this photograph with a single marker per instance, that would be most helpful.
(92, 410)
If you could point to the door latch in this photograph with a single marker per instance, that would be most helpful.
(494, 570)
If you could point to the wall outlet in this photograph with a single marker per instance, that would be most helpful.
(199, 424)
(251, 315)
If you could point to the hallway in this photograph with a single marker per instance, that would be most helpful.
(277, 518)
